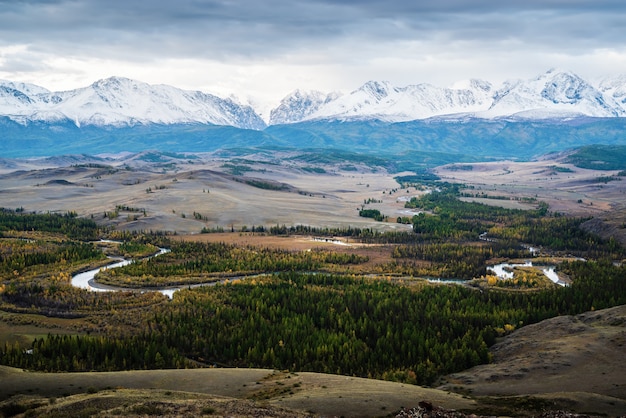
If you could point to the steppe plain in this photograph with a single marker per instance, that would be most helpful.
(172, 191)
(280, 191)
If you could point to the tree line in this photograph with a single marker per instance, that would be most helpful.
(67, 224)
(450, 219)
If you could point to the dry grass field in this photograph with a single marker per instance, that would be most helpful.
(579, 359)
(270, 391)
(271, 195)
(286, 194)
(576, 192)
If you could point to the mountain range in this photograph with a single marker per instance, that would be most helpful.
(415, 125)
(118, 101)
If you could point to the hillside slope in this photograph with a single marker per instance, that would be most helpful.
(580, 355)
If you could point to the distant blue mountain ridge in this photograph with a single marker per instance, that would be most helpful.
(475, 138)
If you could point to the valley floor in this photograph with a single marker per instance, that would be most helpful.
(573, 362)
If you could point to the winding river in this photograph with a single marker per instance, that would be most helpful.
(505, 271)
(85, 280)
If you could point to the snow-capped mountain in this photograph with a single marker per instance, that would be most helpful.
(381, 100)
(555, 94)
(123, 102)
(615, 88)
(376, 100)
(299, 105)
(18, 97)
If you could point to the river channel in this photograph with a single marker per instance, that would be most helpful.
(504, 271)
(85, 280)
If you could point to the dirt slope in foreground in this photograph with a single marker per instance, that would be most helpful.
(580, 358)
(312, 394)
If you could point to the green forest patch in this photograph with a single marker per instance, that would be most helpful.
(599, 157)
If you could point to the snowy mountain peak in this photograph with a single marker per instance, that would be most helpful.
(615, 88)
(555, 93)
(14, 95)
(377, 90)
(567, 88)
(26, 88)
(383, 101)
(298, 106)
(19, 98)
(472, 84)
(121, 101)
(115, 80)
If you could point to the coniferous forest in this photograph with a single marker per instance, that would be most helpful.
(320, 310)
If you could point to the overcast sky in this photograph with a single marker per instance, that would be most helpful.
(265, 49)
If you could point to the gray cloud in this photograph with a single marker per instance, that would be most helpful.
(358, 35)
(209, 27)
